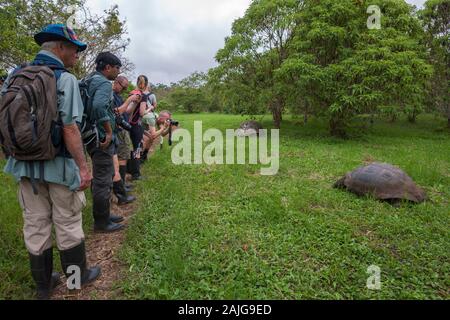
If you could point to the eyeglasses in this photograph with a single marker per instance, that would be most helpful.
(72, 46)
(123, 87)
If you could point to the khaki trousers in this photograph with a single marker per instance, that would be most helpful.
(53, 205)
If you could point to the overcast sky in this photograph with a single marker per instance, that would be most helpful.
(170, 39)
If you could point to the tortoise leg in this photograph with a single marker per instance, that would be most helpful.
(396, 203)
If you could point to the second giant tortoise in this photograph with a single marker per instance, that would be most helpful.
(249, 128)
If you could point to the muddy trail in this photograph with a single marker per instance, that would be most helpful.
(102, 250)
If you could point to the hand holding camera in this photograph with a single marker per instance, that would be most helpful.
(121, 122)
(171, 123)
(135, 98)
(174, 123)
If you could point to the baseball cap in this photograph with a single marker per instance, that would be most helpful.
(59, 32)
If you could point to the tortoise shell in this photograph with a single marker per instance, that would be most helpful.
(249, 128)
(384, 182)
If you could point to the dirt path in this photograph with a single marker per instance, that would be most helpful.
(101, 250)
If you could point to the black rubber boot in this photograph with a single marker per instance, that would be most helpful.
(77, 257)
(129, 169)
(134, 168)
(144, 156)
(123, 175)
(136, 165)
(42, 271)
(121, 194)
(108, 227)
(115, 219)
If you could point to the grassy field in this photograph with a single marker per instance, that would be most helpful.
(225, 232)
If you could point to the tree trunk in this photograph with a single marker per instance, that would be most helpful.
(277, 113)
(393, 118)
(448, 116)
(306, 117)
(276, 118)
(412, 118)
(337, 127)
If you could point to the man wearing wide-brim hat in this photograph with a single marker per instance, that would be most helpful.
(52, 194)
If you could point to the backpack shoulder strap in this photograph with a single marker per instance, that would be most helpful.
(58, 71)
(88, 81)
(86, 84)
(95, 88)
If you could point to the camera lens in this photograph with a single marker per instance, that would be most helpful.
(120, 121)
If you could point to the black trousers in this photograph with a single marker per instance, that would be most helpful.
(103, 173)
(136, 135)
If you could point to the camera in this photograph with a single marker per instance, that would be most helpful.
(174, 123)
(121, 122)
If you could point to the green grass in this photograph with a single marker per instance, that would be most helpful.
(225, 232)
(14, 269)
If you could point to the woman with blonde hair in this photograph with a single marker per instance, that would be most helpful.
(137, 112)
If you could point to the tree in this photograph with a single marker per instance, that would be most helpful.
(189, 95)
(342, 68)
(21, 19)
(436, 20)
(105, 33)
(257, 47)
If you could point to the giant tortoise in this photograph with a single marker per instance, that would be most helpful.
(249, 128)
(384, 182)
